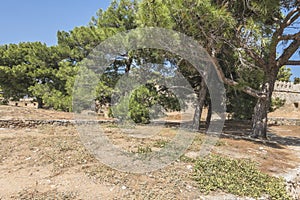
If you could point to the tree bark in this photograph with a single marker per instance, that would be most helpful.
(40, 102)
(128, 65)
(260, 119)
(199, 105)
(209, 114)
(260, 116)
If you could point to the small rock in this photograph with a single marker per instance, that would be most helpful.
(192, 154)
(189, 167)
(29, 158)
(124, 187)
(189, 188)
(264, 151)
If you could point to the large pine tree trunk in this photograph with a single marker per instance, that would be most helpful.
(260, 116)
(209, 114)
(199, 105)
(260, 119)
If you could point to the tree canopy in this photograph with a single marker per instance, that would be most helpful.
(242, 37)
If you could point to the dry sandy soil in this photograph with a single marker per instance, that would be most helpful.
(50, 162)
(287, 111)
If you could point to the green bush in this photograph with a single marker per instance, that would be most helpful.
(142, 105)
(121, 110)
(241, 106)
(276, 103)
(3, 101)
(237, 176)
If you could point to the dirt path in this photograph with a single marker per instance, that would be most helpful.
(51, 162)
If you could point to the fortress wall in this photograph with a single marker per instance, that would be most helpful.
(288, 91)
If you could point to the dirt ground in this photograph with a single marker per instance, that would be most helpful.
(287, 111)
(51, 162)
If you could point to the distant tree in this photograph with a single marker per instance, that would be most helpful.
(284, 74)
(36, 70)
(14, 68)
(296, 80)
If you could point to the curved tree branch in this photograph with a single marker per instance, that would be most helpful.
(227, 81)
(289, 36)
(290, 18)
(293, 62)
(288, 52)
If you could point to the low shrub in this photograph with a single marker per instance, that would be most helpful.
(237, 176)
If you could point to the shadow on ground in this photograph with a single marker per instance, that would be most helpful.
(243, 129)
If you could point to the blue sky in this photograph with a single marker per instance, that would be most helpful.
(39, 20)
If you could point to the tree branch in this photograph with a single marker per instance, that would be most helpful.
(246, 89)
(288, 52)
(287, 20)
(293, 62)
(250, 52)
(294, 18)
(277, 36)
(289, 36)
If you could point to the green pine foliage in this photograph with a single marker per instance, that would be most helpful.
(296, 80)
(284, 74)
(143, 105)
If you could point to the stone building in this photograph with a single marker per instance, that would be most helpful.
(288, 91)
(25, 102)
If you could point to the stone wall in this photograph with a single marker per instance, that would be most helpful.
(36, 123)
(283, 121)
(27, 102)
(288, 91)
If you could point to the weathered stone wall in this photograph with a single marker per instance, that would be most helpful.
(283, 121)
(30, 103)
(36, 123)
(288, 91)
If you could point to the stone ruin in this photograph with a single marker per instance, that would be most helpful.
(98, 109)
(25, 102)
(288, 91)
